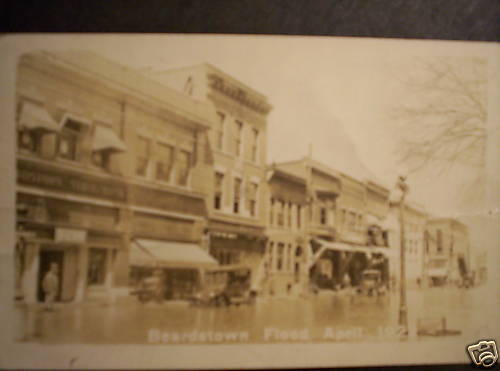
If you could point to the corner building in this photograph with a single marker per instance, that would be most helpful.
(110, 178)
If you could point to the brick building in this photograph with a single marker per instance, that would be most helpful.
(287, 253)
(238, 140)
(110, 165)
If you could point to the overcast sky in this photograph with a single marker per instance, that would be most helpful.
(332, 92)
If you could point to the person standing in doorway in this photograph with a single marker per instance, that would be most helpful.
(50, 285)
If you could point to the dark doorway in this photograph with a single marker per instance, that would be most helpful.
(47, 257)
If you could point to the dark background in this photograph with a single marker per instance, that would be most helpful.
(422, 19)
(474, 20)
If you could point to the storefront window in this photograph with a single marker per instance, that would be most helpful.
(164, 162)
(96, 273)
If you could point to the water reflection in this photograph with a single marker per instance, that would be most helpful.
(130, 322)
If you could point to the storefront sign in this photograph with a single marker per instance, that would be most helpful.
(70, 235)
(48, 177)
(168, 201)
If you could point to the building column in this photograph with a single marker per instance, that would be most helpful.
(81, 274)
(29, 279)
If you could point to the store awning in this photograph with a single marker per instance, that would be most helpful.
(162, 254)
(34, 116)
(340, 246)
(106, 139)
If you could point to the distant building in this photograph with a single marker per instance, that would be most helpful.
(415, 218)
(110, 177)
(238, 139)
(480, 267)
(345, 224)
(447, 250)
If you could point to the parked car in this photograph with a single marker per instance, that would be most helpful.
(150, 288)
(371, 283)
(224, 286)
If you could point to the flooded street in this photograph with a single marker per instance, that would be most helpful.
(323, 317)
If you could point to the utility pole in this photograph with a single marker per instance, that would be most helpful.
(403, 310)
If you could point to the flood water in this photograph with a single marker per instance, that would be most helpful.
(319, 318)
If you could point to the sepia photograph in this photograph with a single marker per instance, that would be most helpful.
(227, 198)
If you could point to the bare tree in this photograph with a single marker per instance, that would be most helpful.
(444, 115)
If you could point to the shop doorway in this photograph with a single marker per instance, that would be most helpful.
(47, 257)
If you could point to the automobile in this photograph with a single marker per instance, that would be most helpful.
(371, 283)
(224, 286)
(150, 288)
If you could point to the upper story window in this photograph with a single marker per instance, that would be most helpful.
(255, 145)
(219, 189)
(183, 167)
(219, 131)
(281, 252)
(323, 215)
(252, 198)
(105, 143)
(143, 151)
(279, 214)
(360, 222)
(439, 239)
(271, 212)
(271, 255)
(289, 215)
(299, 217)
(36, 133)
(237, 195)
(238, 138)
(69, 140)
(164, 161)
(29, 140)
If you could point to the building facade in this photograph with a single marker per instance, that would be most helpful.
(104, 164)
(345, 224)
(415, 218)
(447, 251)
(238, 140)
(287, 251)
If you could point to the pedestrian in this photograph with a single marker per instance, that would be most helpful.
(50, 285)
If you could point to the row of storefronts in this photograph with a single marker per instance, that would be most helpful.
(131, 176)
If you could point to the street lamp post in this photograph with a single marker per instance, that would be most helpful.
(403, 310)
